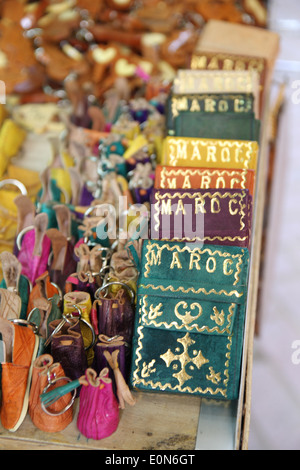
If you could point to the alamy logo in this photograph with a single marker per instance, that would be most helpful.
(296, 353)
(296, 93)
(136, 223)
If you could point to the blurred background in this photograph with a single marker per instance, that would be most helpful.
(275, 415)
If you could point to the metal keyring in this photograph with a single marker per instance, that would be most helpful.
(22, 233)
(52, 382)
(19, 321)
(16, 183)
(64, 320)
(118, 283)
(86, 348)
(59, 292)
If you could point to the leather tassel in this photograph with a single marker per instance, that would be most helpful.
(123, 392)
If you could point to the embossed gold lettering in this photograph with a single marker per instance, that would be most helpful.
(186, 183)
(210, 105)
(181, 150)
(211, 265)
(175, 261)
(180, 207)
(196, 152)
(199, 205)
(171, 183)
(233, 181)
(199, 62)
(231, 210)
(227, 262)
(205, 182)
(166, 207)
(155, 258)
(238, 106)
(228, 64)
(195, 107)
(211, 153)
(182, 104)
(220, 182)
(215, 205)
(213, 64)
(223, 106)
(225, 154)
(240, 65)
(195, 260)
(237, 156)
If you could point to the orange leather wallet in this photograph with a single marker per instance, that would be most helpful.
(169, 177)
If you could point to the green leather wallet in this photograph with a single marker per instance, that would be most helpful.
(189, 323)
(231, 126)
(222, 103)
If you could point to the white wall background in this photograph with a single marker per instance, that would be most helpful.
(275, 415)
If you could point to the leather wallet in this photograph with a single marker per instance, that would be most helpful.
(222, 103)
(169, 177)
(239, 39)
(210, 153)
(206, 60)
(203, 60)
(189, 321)
(220, 217)
(188, 81)
(217, 126)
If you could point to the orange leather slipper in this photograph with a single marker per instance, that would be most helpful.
(21, 346)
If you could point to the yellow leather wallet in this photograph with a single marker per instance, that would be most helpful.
(210, 153)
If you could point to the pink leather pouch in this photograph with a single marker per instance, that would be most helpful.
(98, 415)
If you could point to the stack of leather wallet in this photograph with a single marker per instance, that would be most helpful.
(192, 290)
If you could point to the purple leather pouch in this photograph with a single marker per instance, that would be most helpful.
(210, 216)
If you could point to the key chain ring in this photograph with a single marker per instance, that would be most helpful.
(86, 348)
(20, 321)
(52, 382)
(118, 283)
(14, 182)
(21, 234)
(64, 320)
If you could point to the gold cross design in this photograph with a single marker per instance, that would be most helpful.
(182, 376)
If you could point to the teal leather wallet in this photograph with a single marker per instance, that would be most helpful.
(190, 315)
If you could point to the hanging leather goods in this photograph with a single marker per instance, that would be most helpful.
(113, 312)
(99, 225)
(34, 248)
(14, 281)
(111, 344)
(63, 261)
(122, 269)
(44, 288)
(92, 265)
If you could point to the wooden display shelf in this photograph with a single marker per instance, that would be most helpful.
(156, 422)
